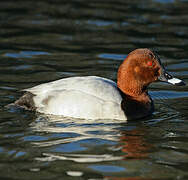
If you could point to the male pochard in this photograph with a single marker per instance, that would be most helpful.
(93, 97)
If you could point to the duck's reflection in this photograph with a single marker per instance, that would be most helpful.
(100, 140)
(134, 144)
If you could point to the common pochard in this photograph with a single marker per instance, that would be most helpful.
(93, 97)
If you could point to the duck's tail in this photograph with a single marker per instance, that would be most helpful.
(26, 102)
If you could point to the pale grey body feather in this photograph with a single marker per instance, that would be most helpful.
(89, 97)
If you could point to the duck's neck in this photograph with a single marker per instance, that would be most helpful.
(129, 85)
(136, 107)
(136, 102)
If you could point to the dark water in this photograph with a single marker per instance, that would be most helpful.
(47, 40)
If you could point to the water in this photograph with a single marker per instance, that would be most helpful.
(41, 41)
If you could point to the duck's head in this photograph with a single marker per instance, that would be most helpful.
(140, 68)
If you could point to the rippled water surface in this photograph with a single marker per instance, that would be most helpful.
(45, 40)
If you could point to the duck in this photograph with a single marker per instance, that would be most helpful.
(93, 97)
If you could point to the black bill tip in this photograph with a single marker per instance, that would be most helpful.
(176, 81)
(182, 83)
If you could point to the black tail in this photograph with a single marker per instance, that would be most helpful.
(26, 102)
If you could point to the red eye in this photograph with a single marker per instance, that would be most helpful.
(149, 63)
